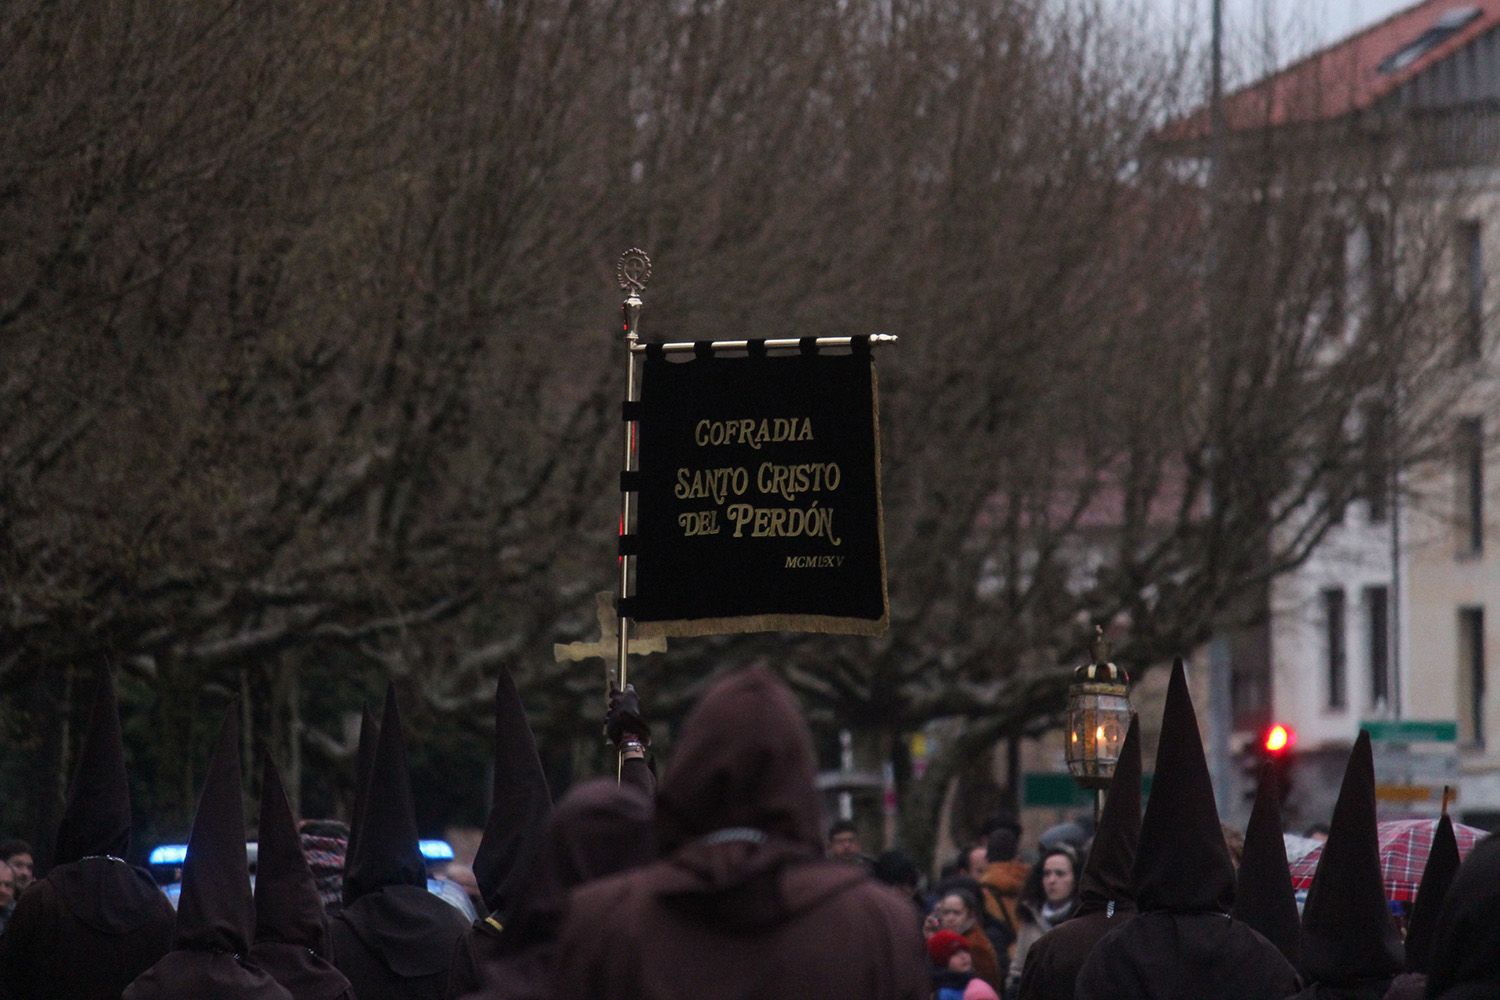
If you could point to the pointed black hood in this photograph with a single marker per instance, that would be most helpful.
(1107, 875)
(519, 809)
(1347, 932)
(1437, 876)
(291, 932)
(215, 914)
(1263, 895)
(287, 907)
(364, 763)
(1465, 957)
(1182, 864)
(215, 911)
(96, 820)
(386, 848)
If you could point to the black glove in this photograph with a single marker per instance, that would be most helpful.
(624, 717)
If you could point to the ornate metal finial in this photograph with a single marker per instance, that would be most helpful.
(1099, 648)
(634, 270)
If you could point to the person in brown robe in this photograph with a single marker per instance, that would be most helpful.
(393, 939)
(1183, 942)
(215, 912)
(1263, 896)
(742, 903)
(1437, 876)
(1351, 949)
(291, 929)
(1105, 897)
(600, 828)
(94, 922)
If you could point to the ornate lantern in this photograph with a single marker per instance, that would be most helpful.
(1098, 717)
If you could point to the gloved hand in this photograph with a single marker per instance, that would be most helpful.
(624, 718)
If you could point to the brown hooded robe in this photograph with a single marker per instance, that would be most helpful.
(742, 905)
(1105, 898)
(1182, 944)
(94, 922)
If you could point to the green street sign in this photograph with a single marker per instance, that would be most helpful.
(1411, 730)
(1059, 791)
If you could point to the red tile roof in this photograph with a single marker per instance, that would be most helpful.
(1345, 77)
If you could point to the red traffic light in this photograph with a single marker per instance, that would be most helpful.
(1279, 739)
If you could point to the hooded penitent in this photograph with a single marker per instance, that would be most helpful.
(1183, 943)
(1106, 897)
(393, 939)
(215, 911)
(520, 805)
(1350, 945)
(1465, 958)
(744, 906)
(364, 762)
(1437, 875)
(1263, 894)
(94, 922)
(599, 828)
(519, 808)
(291, 932)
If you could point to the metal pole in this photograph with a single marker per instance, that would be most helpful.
(633, 270)
(1220, 662)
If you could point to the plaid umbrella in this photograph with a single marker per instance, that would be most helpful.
(1404, 844)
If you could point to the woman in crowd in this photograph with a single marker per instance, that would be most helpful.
(958, 911)
(1049, 898)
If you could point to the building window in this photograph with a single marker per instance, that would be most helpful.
(1375, 470)
(1378, 642)
(1469, 477)
(1334, 647)
(1470, 251)
(1471, 675)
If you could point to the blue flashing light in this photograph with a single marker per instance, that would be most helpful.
(169, 854)
(436, 850)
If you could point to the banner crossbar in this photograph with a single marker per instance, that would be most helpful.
(780, 344)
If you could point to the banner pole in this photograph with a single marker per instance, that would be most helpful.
(633, 270)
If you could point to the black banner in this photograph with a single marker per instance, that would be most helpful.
(759, 495)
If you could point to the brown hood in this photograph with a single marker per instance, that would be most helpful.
(739, 811)
(745, 760)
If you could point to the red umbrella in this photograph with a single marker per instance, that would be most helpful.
(1404, 844)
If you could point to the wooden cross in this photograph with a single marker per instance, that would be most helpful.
(607, 647)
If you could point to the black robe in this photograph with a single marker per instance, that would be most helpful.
(1183, 945)
(1465, 959)
(84, 932)
(1106, 897)
(1185, 956)
(397, 943)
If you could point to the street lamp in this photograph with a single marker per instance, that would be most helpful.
(1098, 718)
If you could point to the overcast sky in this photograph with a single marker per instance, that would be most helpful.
(1298, 25)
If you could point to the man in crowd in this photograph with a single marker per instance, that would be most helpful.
(17, 854)
(843, 841)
